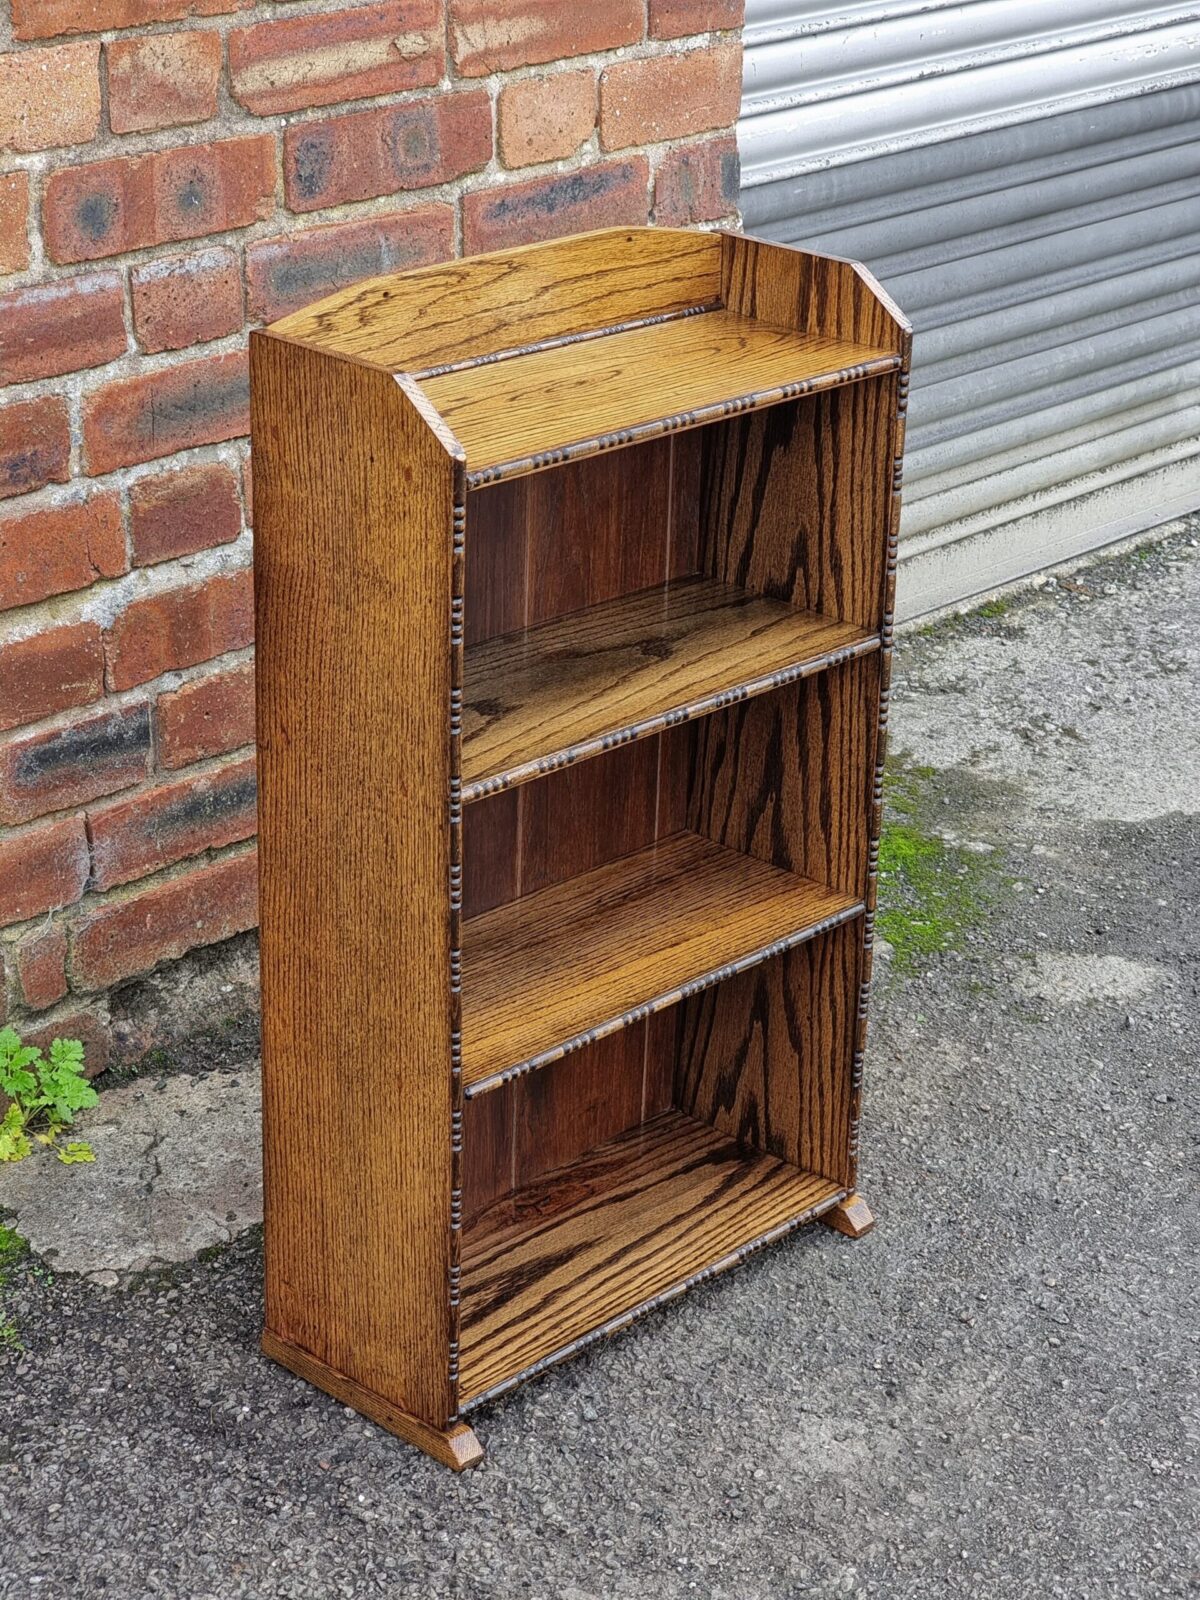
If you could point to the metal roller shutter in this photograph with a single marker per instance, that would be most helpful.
(1024, 176)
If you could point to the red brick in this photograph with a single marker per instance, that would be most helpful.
(92, 1031)
(49, 97)
(106, 207)
(41, 966)
(545, 118)
(178, 512)
(49, 672)
(180, 628)
(132, 935)
(51, 328)
(321, 59)
(139, 419)
(668, 97)
(248, 489)
(35, 445)
(43, 772)
(44, 19)
(206, 717)
(609, 195)
(41, 869)
(496, 35)
(697, 183)
(132, 838)
(60, 548)
(289, 272)
(671, 19)
(14, 221)
(183, 300)
(162, 80)
(386, 150)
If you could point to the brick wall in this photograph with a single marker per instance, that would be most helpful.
(173, 172)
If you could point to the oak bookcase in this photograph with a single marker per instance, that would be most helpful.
(574, 572)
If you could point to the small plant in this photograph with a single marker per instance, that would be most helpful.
(43, 1097)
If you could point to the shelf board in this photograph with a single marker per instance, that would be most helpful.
(585, 1249)
(550, 695)
(538, 407)
(556, 970)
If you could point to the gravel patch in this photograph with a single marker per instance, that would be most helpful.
(988, 1398)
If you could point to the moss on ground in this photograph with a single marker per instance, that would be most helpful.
(13, 1249)
(931, 892)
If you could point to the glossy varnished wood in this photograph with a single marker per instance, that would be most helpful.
(470, 310)
(547, 696)
(851, 1216)
(354, 501)
(767, 1057)
(576, 568)
(455, 1445)
(550, 404)
(634, 1222)
(555, 970)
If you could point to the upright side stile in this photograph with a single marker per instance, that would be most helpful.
(354, 584)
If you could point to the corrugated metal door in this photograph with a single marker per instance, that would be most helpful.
(1024, 176)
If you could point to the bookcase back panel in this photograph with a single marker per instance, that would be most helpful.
(795, 499)
(547, 1119)
(787, 777)
(546, 545)
(525, 839)
(767, 1056)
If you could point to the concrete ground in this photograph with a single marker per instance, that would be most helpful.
(989, 1397)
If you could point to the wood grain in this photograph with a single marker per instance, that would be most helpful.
(815, 294)
(546, 545)
(354, 516)
(465, 310)
(585, 1249)
(455, 1446)
(767, 1056)
(795, 501)
(787, 777)
(851, 1216)
(570, 749)
(545, 697)
(556, 970)
(532, 410)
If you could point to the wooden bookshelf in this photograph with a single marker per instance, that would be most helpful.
(574, 571)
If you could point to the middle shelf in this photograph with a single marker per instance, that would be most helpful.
(547, 696)
(552, 971)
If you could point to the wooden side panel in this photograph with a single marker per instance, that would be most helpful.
(819, 295)
(460, 310)
(787, 777)
(354, 533)
(767, 1056)
(795, 501)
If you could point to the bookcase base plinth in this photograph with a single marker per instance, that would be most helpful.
(456, 1447)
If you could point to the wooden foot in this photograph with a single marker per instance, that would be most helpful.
(852, 1217)
(455, 1447)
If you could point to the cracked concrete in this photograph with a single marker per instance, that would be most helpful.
(178, 1169)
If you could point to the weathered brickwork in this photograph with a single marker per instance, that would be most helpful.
(172, 173)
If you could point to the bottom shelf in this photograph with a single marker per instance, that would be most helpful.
(586, 1248)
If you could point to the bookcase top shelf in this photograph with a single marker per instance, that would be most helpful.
(533, 410)
(525, 358)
